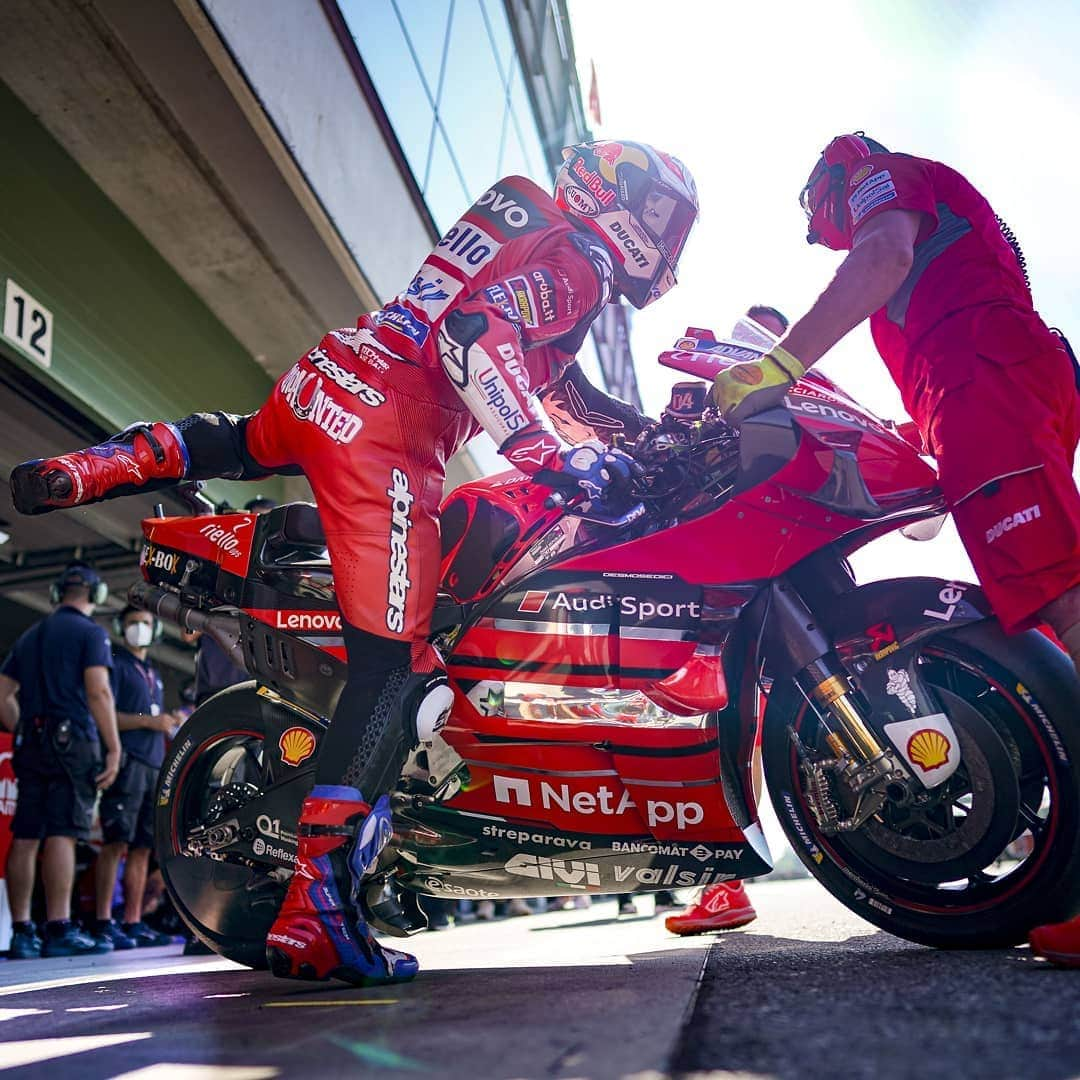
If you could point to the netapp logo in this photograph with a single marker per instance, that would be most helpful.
(603, 801)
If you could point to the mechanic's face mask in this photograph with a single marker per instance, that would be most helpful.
(138, 634)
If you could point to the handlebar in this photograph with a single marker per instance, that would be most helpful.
(569, 506)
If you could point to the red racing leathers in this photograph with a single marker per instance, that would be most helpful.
(992, 390)
(372, 414)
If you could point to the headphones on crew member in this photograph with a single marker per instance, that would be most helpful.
(118, 625)
(79, 574)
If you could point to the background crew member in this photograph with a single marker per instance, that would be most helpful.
(992, 390)
(55, 695)
(127, 808)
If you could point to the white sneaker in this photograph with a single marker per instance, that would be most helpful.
(485, 910)
(517, 906)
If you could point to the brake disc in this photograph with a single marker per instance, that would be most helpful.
(973, 814)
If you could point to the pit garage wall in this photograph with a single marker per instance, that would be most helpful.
(130, 340)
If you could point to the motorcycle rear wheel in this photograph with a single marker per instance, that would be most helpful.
(998, 852)
(216, 763)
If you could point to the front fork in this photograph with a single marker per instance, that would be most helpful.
(861, 766)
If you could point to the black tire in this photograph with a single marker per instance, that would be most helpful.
(1017, 700)
(227, 906)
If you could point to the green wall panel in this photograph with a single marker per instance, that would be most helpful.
(130, 339)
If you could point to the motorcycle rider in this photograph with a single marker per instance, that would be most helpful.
(992, 390)
(370, 415)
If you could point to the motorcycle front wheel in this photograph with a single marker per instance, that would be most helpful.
(995, 850)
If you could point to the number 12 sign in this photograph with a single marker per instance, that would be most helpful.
(28, 324)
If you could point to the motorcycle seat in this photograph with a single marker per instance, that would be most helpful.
(294, 533)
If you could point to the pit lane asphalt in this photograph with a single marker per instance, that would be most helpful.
(808, 990)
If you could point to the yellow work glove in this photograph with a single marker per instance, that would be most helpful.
(745, 389)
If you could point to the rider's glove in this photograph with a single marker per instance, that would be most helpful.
(752, 387)
(590, 467)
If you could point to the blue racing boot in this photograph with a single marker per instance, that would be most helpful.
(319, 932)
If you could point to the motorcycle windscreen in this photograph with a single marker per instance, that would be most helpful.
(704, 364)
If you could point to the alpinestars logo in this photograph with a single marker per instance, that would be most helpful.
(401, 500)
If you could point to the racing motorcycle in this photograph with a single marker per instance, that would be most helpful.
(611, 675)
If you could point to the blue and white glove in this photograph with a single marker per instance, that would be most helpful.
(590, 467)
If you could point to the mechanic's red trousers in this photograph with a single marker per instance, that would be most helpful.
(373, 444)
(1005, 439)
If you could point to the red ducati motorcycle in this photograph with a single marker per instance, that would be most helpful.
(610, 680)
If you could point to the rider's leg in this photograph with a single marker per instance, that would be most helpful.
(142, 457)
(385, 707)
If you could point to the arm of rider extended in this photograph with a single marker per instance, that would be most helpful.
(492, 349)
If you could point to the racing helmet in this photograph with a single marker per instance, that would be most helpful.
(641, 202)
(822, 197)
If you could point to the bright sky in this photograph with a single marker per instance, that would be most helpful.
(747, 94)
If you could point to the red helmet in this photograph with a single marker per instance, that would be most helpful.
(822, 198)
(642, 203)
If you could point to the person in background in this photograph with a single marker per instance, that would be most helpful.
(127, 808)
(55, 695)
(664, 901)
(725, 905)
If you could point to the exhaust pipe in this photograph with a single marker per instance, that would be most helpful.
(223, 628)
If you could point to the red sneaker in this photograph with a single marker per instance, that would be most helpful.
(1059, 942)
(125, 463)
(722, 906)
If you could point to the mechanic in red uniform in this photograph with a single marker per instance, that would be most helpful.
(991, 389)
(370, 415)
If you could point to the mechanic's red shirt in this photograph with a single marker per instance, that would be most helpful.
(961, 260)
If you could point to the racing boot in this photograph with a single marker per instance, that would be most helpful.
(1059, 943)
(319, 933)
(143, 456)
(722, 906)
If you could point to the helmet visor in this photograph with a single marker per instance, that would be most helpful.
(668, 220)
(815, 188)
(662, 212)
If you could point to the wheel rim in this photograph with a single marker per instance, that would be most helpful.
(228, 902)
(1024, 847)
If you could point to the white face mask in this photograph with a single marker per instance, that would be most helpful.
(139, 634)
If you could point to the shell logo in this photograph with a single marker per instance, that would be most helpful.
(929, 749)
(296, 744)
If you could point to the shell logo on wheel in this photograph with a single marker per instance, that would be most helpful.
(929, 749)
(296, 744)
